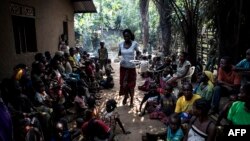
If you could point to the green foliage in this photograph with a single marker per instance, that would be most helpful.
(115, 15)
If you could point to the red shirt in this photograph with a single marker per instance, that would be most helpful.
(101, 124)
(89, 70)
(231, 77)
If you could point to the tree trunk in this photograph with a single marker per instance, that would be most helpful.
(145, 28)
(233, 31)
(164, 10)
(191, 36)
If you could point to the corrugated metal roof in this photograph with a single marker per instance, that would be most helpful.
(84, 6)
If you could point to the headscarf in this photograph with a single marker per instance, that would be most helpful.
(210, 76)
(19, 74)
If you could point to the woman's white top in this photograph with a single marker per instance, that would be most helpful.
(181, 68)
(128, 54)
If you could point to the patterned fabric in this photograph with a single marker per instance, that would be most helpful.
(168, 104)
(80, 100)
(145, 86)
(127, 79)
(110, 119)
(205, 91)
(72, 61)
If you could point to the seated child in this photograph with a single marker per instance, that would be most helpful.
(98, 73)
(62, 131)
(109, 66)
(42, 100)
(109, 81)
(152, 98)
(80, 102)
(166, 75)
(174, 130)
(149, 78)
(76, 132)
(144, 65)
(111, 117)
(166, 106)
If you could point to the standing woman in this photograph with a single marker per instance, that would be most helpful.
(127, 49)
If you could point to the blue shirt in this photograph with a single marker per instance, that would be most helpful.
(6, 133)
(244, 64)
(177, 136)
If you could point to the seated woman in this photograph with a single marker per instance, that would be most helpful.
(205, 86)
(149, 78)
(201, 128)
(183, 66)
(42, 101)
(239, 112)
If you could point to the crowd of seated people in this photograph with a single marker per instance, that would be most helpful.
(56, 90)
(198, 103)
(40, 98)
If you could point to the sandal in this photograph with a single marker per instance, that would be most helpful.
(131, 105)
(124, 102)
(141, 114)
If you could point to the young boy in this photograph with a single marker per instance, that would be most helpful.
(144, 65)
(174, 130)
(166, 106)
(109, 82)
(109, 66)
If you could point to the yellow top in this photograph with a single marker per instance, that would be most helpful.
(185, 106)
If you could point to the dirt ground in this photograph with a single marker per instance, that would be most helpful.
(129, 116)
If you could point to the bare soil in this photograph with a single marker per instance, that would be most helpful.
(129, 116)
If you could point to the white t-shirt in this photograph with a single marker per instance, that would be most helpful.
(182, 67)
(128, 54)
(144, 65)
